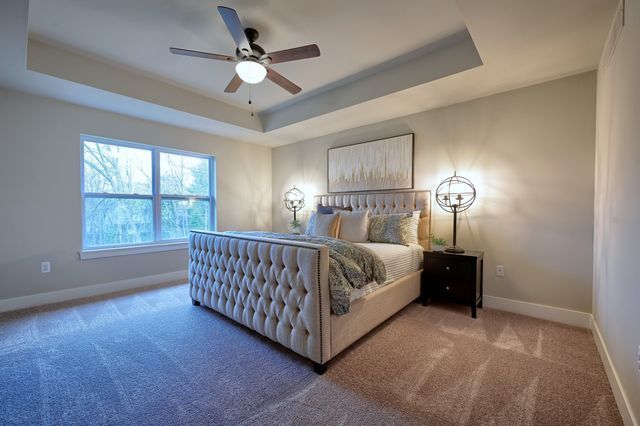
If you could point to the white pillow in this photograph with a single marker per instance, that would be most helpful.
(323, 225)
(354, 226)
(412, 234)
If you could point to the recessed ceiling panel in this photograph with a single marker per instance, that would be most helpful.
(352, 35)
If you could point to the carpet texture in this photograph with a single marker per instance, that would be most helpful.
(152, 358)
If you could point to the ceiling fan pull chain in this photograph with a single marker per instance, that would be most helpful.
(250, 103)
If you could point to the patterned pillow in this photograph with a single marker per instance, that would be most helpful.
(323, 225)
(390, 228)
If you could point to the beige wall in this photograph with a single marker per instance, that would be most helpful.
(530, 153)
(40, 192)
(617, 217)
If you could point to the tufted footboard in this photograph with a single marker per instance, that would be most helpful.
(278, 288)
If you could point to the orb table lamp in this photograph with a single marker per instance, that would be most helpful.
(455, 194)
(294, 201)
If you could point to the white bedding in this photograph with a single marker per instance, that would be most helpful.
(398, 261)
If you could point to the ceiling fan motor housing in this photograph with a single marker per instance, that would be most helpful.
(257, 51)
(252, 34)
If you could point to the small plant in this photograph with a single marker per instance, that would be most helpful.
(437, 241)
(294, 226)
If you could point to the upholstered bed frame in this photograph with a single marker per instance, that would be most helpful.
(280, 288)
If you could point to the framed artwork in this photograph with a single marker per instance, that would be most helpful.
(378, 165)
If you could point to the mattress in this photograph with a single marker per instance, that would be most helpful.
(398, 261)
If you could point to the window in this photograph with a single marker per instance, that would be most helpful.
(136, 194)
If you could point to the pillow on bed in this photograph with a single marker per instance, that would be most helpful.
(331, 209)
(390, 228)
(323, 225)
(412, 236)
(354, 226)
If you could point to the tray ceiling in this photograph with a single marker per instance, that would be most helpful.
(380, 59)
(353, 36)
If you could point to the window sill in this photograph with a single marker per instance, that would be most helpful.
(127, 251)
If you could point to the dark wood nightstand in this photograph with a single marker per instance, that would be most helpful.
(456, 277)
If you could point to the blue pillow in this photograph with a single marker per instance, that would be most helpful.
(331, 209)
(324, 209)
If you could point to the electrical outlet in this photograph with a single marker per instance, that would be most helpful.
(499, 270)
(45, 267)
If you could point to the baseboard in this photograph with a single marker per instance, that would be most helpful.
(621, 398)
(551, 313)
(88, 291)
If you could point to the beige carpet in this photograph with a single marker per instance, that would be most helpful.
(150, 357)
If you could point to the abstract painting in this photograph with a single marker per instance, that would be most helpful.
(371, 166)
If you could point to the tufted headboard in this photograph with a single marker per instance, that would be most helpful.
(385, 203)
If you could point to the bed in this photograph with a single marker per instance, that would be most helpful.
(279, 288)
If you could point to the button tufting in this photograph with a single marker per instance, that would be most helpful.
(258, 284)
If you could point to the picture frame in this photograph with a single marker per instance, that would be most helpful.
(376, 165)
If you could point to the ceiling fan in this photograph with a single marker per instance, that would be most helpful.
(253, 64)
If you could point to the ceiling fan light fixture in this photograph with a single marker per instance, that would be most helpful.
(251, 72)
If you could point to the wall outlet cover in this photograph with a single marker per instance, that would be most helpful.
(499, 270)
(45, 267)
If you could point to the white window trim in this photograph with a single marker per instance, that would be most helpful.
(129, 250)
(158, 245)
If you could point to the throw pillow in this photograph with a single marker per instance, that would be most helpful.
(412, 236)
(390, 228)
(354, 226)
(324, 209)
(323, 225)
(331, 209)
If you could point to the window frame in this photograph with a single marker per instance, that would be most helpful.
(156, 196)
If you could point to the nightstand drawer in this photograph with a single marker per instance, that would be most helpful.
(451, 290)
(449, 269)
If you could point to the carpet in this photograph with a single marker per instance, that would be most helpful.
(149, 357)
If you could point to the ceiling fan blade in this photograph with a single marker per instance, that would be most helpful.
(232, 21)
(234, 84)
(281, 81)
(295, 54)
(197, 54)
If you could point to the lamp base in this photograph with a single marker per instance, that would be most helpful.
(454, 249)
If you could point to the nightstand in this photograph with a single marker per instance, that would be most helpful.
(456, 277)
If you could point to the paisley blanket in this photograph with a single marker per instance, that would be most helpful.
(350, 266)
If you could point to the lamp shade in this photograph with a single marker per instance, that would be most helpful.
(455, 194)
(294, 199)
(251, 72)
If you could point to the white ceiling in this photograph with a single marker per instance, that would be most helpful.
(522, 42)
(115, 57)
(352, 35)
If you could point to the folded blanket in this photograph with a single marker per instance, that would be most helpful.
(350, 266)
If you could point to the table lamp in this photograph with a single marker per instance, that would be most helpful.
(455, 194)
